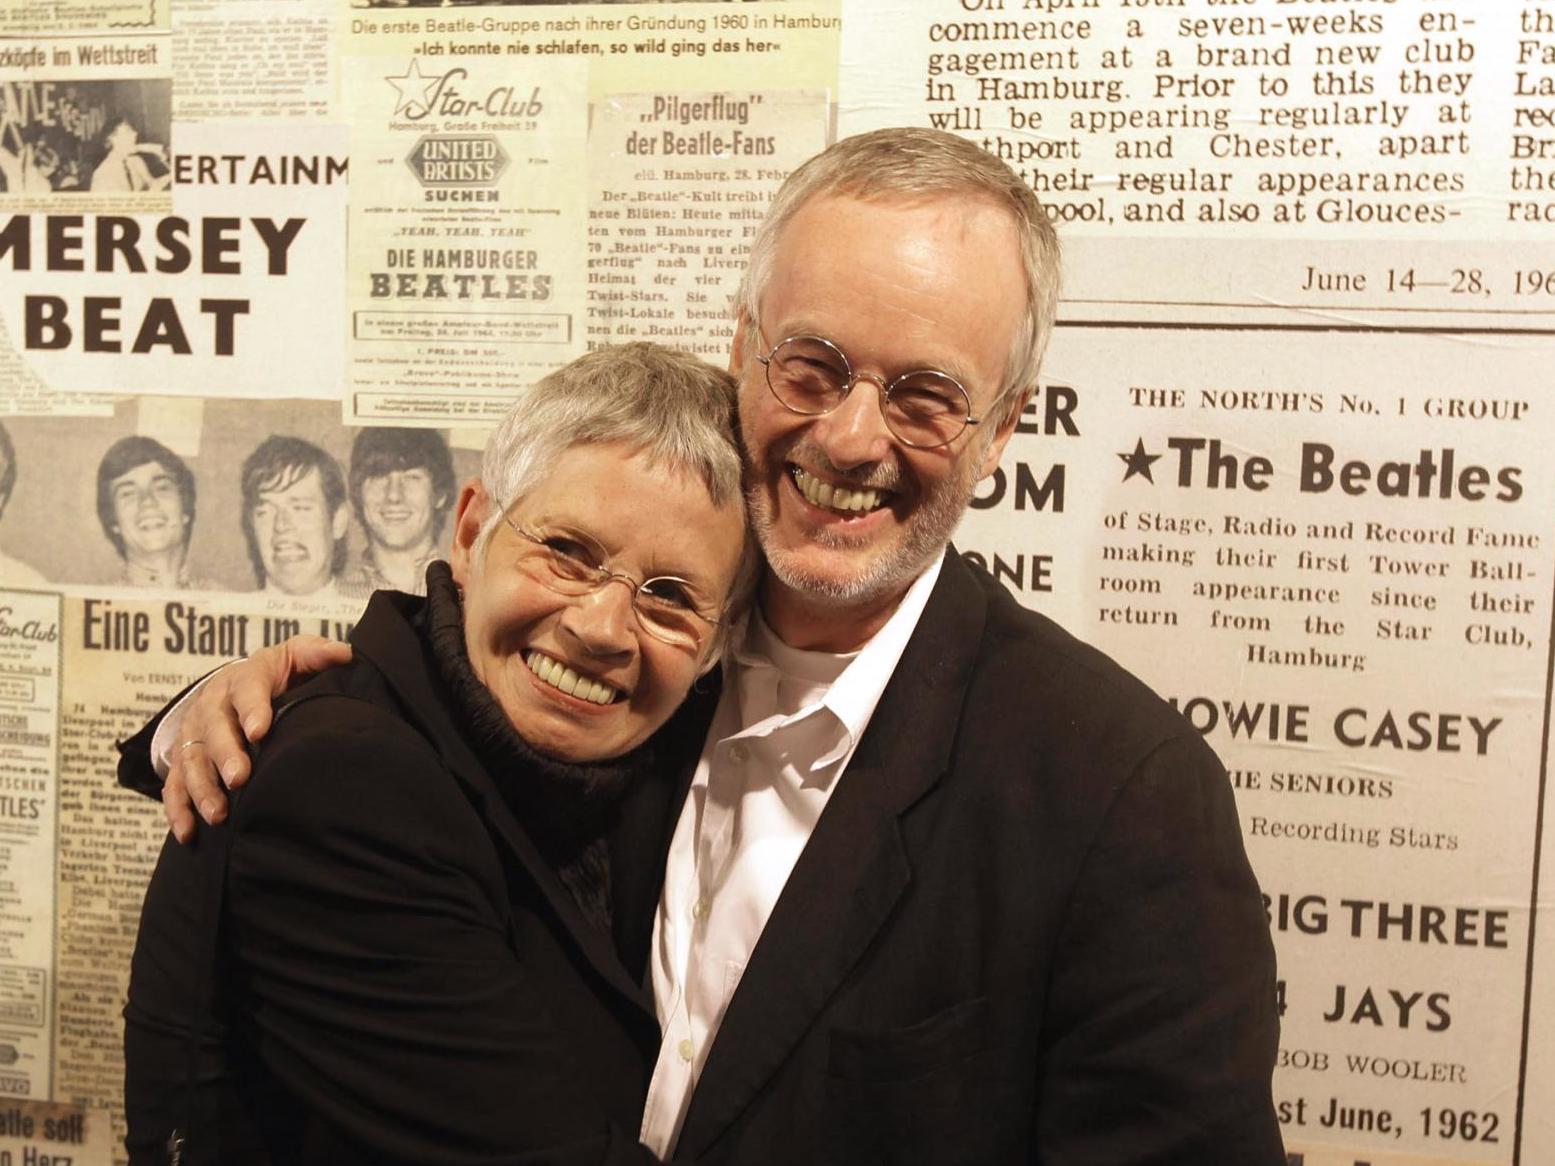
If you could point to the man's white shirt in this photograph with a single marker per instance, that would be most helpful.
(786, 726)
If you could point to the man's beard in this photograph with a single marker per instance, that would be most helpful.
(925, 537)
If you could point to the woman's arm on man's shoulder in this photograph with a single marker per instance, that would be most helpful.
(196, 749)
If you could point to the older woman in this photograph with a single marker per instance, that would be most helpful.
(436, 954)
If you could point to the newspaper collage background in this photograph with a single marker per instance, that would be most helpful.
(1289, 460)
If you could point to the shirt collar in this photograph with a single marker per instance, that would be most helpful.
(858, 690)
(851, 698)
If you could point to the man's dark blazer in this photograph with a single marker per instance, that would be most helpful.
(1024, 930)
(405, 978)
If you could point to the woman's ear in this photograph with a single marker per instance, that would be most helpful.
(470, 514)
(715, 653)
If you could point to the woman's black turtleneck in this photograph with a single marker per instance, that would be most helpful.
(566, 807)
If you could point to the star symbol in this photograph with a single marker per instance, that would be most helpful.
(415, 91)
(1139, 462)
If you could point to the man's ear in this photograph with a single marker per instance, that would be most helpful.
(1001, 438)
(340, 522)
(470, 514)
(739, 347)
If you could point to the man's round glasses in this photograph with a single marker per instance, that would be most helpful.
(569, 562)
(924, 409)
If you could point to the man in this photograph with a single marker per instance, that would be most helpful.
(145, 502)
(123, 169)
(294, 517)
(13, 572)
(402, 485)
(948, 886)
(30, 169)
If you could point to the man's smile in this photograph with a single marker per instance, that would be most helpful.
(838, 498)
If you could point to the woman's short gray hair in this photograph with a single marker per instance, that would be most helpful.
(676, 408)
(909, 163)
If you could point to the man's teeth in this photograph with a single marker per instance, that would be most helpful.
(558, 675)
(819, 493)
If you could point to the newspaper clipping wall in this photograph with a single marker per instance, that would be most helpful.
(30, 648)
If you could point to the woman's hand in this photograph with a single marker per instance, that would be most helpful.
(227, 713)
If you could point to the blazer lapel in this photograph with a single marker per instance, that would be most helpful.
(854, 867)
(386, 637)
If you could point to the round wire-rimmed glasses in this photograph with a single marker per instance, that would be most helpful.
(570, 562)
(924, 409)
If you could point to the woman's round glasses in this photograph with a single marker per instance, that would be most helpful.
(569, 562)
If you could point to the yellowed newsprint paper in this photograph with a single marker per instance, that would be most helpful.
(85, 127)
(1272, 162)
(236, 291)
(81, 16)
(39, 884)
(120, 656)
(45, 1133)
(1339, 573)
(468, 203)
(681, 181)
(30, 656)
(184, 495)
(251, 59)
(86, 123)
(693, 114)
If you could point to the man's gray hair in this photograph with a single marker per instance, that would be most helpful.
(676, 408)
(910, 164)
